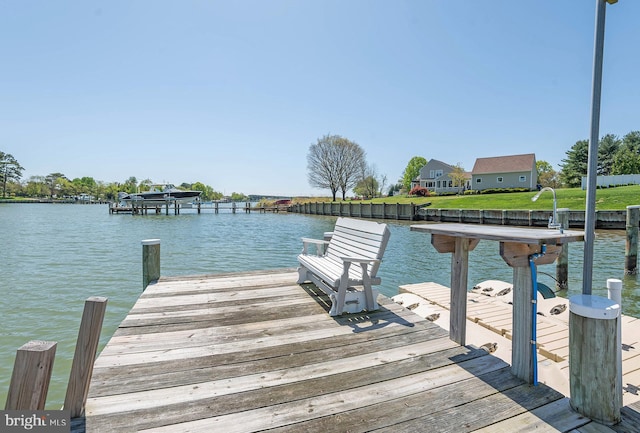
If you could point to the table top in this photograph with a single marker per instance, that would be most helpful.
(502, 233)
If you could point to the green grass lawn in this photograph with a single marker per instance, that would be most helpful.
(573, 198)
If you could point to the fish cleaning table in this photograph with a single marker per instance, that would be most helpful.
(519, 247)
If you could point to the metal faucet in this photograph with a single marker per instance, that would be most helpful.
(553, 221)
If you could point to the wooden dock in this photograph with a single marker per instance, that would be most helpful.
(494, 314)
(258, 352)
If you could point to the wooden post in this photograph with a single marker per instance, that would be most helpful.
(562, 265)
(459, 271)
(522, 356)
(150, 261)
(459, 247)
(595, 380)
(85, 355)
(631, 248)
(31, 376)
(517, 256)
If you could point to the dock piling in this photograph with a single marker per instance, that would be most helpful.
(150, 261)
(562, 264)
(85, 355)
(631, 247)
(31, 376)
(595, 377)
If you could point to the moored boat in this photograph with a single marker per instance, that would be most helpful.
(159, 194)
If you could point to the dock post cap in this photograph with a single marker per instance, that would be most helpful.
(614, 287)
(594, 307)
(634, 206)
(614, 283)
(150, 241)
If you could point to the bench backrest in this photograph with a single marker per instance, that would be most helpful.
(359, 238)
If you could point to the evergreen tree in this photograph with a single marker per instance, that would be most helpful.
(575, 164)
(10, 170)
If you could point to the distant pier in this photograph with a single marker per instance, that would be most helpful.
(172, 207)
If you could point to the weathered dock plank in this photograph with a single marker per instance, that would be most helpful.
(382, 415)
(256, 353)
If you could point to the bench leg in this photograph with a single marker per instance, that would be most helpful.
(340, 297)
(368, 292)
(334, 305)
(302, 275)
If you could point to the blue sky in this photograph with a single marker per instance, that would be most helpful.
(233, 93)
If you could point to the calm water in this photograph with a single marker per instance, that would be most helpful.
(56, 256)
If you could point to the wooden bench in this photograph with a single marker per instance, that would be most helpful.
(352, 242)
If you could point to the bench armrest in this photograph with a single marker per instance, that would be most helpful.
(359, 260)
(364, 264)
(321, 245)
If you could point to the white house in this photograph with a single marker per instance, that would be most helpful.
(435, 177)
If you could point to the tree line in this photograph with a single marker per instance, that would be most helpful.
(57, 185)
(615, 156)
(337, 164)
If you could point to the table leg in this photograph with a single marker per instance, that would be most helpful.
(521, 355)
(459, 272)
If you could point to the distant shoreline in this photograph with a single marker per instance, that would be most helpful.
(51, 201)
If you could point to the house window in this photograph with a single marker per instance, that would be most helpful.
(450, 183)
(499, 179)
(432, 174)
(523, 178)
(479, 180)
(438, 184)
(438, 173)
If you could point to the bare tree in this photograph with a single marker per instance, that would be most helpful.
(335, 163)
(382, 181)
(352, 163)
(368, 184)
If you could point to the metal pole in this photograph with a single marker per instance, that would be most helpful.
(590, 213)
